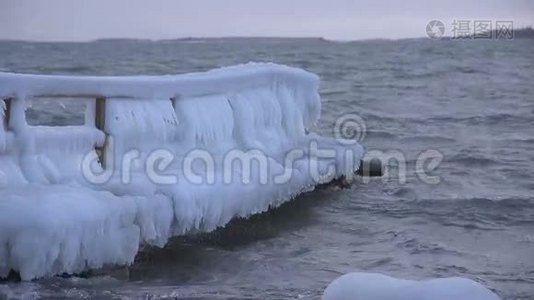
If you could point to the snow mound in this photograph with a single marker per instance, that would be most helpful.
(368, 286)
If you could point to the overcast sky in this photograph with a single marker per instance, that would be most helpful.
(79, 20)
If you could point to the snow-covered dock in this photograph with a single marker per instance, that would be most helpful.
(158, 156)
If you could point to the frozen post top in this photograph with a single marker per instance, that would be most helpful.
(60, 213)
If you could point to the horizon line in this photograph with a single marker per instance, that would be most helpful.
(186, 38)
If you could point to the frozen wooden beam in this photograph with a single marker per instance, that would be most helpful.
(7, 112)
(80, 95)
(100, 124)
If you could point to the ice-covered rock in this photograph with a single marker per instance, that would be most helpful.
(369, 286)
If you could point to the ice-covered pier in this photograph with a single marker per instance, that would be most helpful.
(158, 156)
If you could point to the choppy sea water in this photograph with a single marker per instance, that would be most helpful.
(473, 101)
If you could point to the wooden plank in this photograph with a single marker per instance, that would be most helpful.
(100, 113)
(100, 124)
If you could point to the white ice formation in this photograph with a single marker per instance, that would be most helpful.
(370, 286)
(168, 142)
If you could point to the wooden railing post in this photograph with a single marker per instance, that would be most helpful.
(100, 124)
(7, 112)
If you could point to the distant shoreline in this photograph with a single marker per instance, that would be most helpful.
(521, 33)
